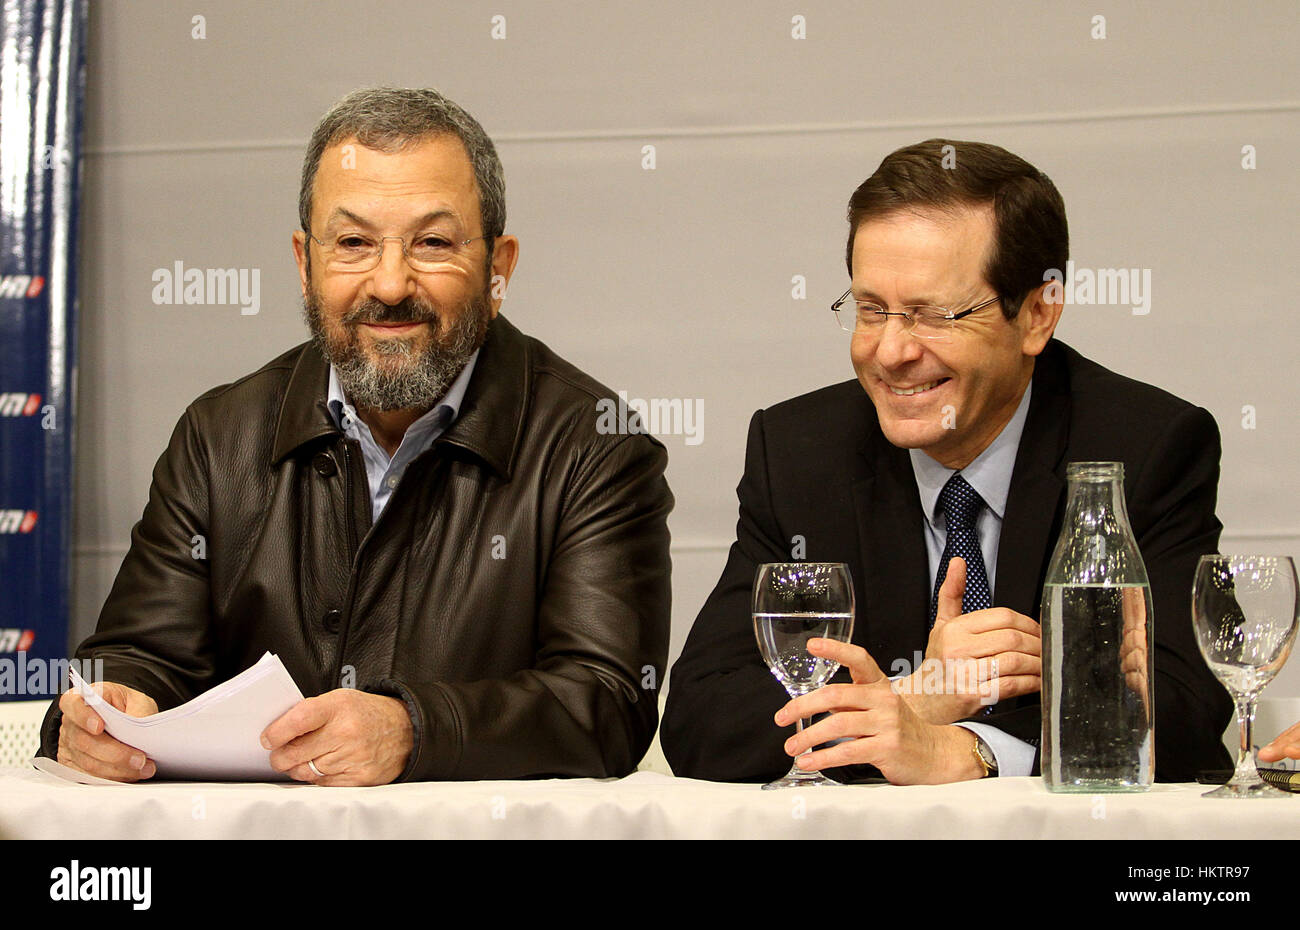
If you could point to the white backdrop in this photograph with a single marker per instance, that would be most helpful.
(1173, 139)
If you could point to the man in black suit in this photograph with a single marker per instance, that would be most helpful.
(968, 398)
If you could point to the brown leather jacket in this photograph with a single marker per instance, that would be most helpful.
(514, 591)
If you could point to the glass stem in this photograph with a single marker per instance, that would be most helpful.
(1246, 772)
(796, 772)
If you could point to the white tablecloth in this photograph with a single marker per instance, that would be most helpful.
(646, 805)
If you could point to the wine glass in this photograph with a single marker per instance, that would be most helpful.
(1244, 610)
(794, 602)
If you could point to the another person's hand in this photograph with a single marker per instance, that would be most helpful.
(84, 745)
(352, 737)
(972, 660)
(1133, 647)
(1286, 746)
(881, 727)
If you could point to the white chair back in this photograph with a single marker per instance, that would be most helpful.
(20, 731)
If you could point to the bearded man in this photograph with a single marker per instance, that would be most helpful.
(415, 510)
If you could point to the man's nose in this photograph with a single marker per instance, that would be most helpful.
(896, 345)
(392, 279)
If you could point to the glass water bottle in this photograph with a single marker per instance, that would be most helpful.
(1098, 716)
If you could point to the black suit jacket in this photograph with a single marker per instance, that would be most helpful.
(819, 467)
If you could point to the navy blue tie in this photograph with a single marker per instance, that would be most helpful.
(961, 504)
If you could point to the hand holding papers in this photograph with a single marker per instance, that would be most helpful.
(214, 737)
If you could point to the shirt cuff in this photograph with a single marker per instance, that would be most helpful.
(1014, 756)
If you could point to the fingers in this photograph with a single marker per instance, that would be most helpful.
(307, 715)
(84, 744)
(951, 591)
(1133, 608)
(989, 646)
(1004, 641)
(985, 634)
(310, 747)
(853, 752)
(336, 772)
(127, 700)
(868, 736)
(950, 691)
(1000, 618)
(832, 698)
(78, 712)
(100, 754)
(304, 773)
(135, 703)
(1009, 664)
(857, 660)
(1133, 663)
(962, 675)
(1286, 746)
(107, 759)
(1010, 686)
(114, 695)
(837, 726)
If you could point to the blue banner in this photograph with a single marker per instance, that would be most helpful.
(42, 84)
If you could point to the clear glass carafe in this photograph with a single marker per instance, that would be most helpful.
(1098, 716)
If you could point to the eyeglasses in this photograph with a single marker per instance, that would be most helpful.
(863, 316)
(354, 252)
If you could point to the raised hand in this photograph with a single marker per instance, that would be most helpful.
(972, 660)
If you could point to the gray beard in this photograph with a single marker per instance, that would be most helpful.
(403, 377)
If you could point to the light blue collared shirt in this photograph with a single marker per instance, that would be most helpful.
(990, 475)
(382, 472)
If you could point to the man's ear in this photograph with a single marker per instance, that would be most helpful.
(1039, 314)
(299, 244)
(505, 254)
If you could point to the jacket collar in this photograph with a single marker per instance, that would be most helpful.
(495, 409)
(888, 507)
(491, 417)
(303, 413)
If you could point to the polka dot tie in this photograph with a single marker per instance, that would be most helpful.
(961, 504)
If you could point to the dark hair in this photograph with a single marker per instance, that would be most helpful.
(388, 119)
(1030, 234)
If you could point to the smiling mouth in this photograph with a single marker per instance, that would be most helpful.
(919, 389)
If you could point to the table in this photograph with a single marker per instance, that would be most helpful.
(645, 805)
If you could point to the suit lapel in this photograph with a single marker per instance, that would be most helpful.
(895, 566)
(1034, 505)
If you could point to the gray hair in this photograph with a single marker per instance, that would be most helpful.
(388, 119)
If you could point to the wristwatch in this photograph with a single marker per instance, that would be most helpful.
(984, 753)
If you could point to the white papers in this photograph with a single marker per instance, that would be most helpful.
(216, 736)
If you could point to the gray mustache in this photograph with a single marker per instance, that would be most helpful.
(408, 311)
